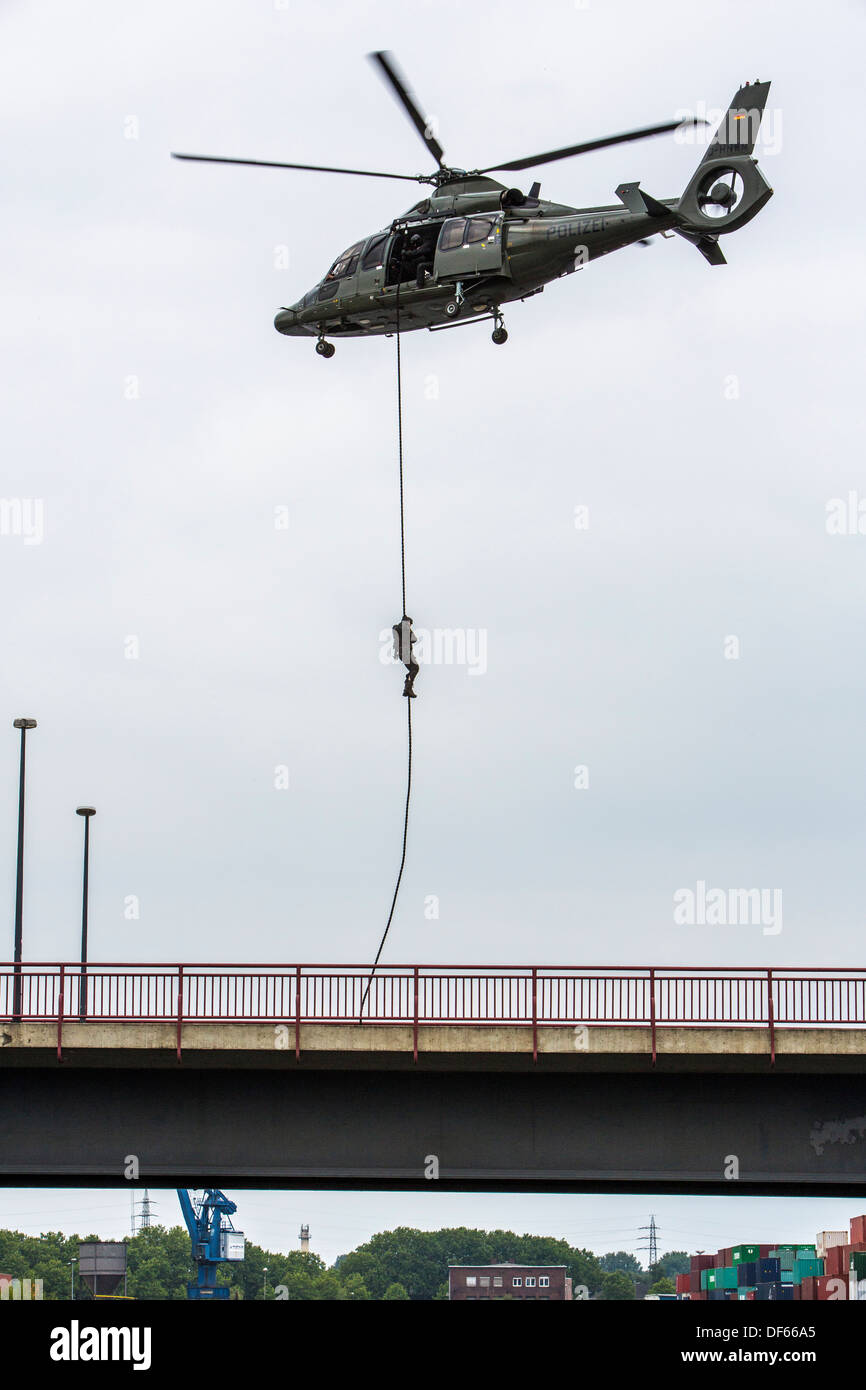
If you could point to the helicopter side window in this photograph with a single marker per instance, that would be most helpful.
(452, 234)
(480, 228)
(346, 264)
(374, 258)
(328, 290)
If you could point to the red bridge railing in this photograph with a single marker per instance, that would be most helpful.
(435, 995)
(426, 995)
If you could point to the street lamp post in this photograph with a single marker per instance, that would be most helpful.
(86, 812)
(72, 1264)
(23, 725)
(265, 1282)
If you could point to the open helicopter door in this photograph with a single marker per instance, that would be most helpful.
(468, 246)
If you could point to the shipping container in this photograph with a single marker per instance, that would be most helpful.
(858, 1229)
(769, 1271)
(741, 1254)
(785, 1255)
(825, 1240)
(747, 1274)
(765, 1292)
(807, 1268)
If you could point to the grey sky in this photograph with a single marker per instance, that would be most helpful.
(260, 647)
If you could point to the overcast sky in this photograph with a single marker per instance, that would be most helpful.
(704, 416)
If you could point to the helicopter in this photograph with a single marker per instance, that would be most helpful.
(475, 244)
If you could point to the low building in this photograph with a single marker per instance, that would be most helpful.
(467, 1282)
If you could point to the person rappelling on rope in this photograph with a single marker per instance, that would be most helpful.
(404, 641)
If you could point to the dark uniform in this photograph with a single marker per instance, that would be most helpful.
(404, 641)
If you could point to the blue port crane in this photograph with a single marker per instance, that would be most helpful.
(214, 1239)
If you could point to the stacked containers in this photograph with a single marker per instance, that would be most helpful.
(699, 1265)
(826, 1270)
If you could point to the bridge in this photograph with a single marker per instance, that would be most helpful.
(646, 1079)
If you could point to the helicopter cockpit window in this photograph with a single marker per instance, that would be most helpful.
(375, 253)
(346, 264)
(452, 234)
(480, 228)
(328, 290)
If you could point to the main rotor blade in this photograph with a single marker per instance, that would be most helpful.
(551, 155)
(395, 79)
(315, 168)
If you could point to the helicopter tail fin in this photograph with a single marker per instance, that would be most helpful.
(738, 130)
(727, 189)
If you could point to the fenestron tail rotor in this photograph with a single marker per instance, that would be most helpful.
(720, 192)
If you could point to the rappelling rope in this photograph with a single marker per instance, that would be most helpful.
(409, 700)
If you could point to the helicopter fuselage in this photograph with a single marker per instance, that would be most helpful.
(459, 255)
(473, 245)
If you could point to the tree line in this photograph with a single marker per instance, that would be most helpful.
(401, 1264)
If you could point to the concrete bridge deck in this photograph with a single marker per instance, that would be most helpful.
(449, 1047)
(507, 1078)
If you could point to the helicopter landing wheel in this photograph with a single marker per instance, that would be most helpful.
(499, 334)
(325, 349)
(452, 308)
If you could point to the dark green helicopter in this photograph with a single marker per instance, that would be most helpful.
(474, 244)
